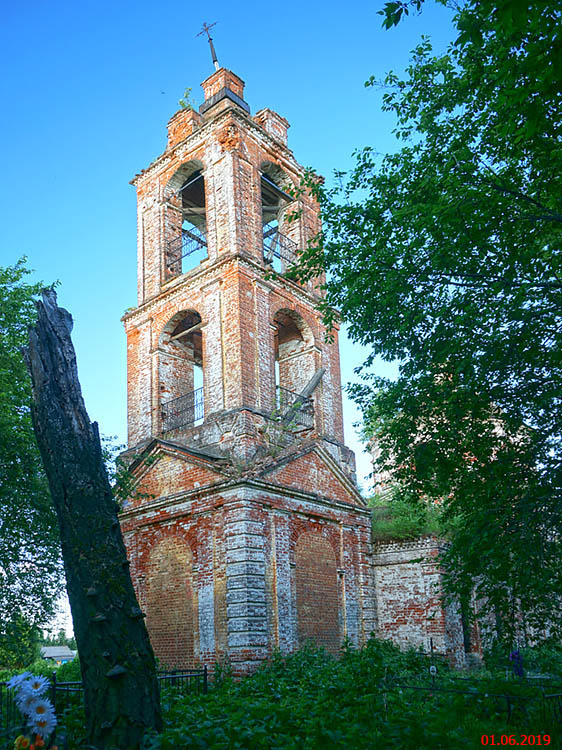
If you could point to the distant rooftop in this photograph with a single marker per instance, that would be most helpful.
(57, 652)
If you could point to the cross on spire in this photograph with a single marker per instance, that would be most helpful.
(205, 30)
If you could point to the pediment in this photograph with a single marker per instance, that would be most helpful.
(164, 470)
(316, 472)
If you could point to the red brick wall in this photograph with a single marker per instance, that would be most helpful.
(310, 472)
(317, 592)
(169, 603)
(410, 611)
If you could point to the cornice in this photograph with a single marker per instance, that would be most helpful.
(168, 295)
(227, 488)
(202, 132)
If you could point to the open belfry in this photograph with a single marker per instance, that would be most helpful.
(246, 532)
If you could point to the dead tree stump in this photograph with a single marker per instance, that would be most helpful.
(118, 667)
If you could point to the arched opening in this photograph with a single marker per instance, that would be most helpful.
(186, 222)
(181, 372)
(294, 366)
(279, 250)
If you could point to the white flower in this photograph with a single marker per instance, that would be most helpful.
(44, 724)
(17, 680)
(38, 685)
(42, 719)
(24, 697)
(40, 707)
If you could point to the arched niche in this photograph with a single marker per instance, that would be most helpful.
(181, 371)
(185, 224)
(316, 581)
(280, 237)
(170, 609)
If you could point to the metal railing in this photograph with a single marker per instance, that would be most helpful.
(183, 410)
(180, 247)
(552, 708)
(297, 407)
(9, 713)
(192, 681)
(277, 245)
(188, 682)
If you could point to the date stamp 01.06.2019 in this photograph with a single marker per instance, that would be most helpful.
(516, 739)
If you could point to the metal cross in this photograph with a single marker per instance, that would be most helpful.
(205, 30)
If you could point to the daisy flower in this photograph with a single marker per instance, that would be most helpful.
(24, 698)
(38, 685)
(44, 725)
(17, 680)
(40, 707)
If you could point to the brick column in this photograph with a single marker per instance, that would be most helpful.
(245, 592)
(285, 607)
(213, 347)
(265, 356)
(366, 580)
(139, 382)
(350, 558)
(206, 591)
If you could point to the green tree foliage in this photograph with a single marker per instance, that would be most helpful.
(395, 518)
(445, 256)
(60, 638)
(30, 569)
(19, 642)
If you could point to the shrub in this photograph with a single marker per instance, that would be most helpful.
(70, 672)
(546, 658)
(42, 667)
(395, 518)
(313, 700)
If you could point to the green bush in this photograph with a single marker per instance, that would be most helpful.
(546, 659)
(70, 672)
(395, 518)
(42, 667)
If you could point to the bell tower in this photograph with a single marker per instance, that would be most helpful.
(246, 531)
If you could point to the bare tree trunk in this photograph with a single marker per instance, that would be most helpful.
(117, 661)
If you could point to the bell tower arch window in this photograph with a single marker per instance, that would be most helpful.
(279, 250)
(294, 366)
(182, 395)
(186, 220)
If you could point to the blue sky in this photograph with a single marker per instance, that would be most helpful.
(86, 92)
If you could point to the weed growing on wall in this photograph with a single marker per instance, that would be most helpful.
(396, 519)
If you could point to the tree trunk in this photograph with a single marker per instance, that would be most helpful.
(118, 667)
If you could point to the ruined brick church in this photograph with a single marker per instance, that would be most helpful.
(246, 532)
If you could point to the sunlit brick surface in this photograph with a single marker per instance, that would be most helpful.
(408, 583)
(169, 602)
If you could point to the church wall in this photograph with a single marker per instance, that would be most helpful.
(170, 604)
(317, 595)
(237, 359)
(250, 578)
(408, 585)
